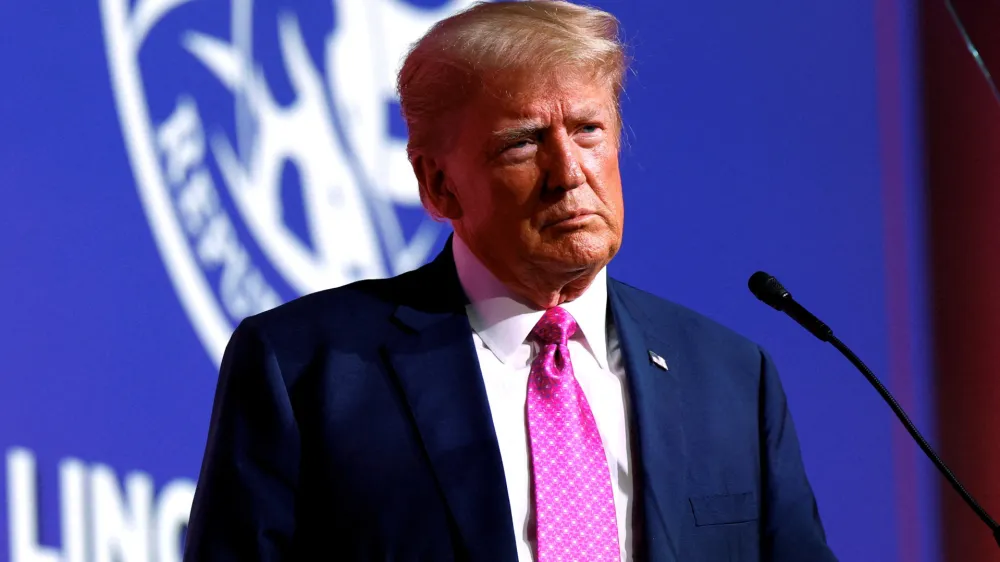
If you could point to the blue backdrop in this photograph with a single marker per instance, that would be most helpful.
(169, 166)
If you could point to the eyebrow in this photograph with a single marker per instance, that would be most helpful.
(529, 128)
(526, 129)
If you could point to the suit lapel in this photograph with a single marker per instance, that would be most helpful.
(657, 424)
(433, 358)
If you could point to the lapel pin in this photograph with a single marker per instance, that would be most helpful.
(658, 361)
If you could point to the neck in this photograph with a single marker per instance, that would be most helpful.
(545, 290)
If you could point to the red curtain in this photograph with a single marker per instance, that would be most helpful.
(962, 149)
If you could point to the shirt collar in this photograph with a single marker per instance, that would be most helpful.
(503, 321)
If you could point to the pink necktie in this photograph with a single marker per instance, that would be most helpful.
(574, 505)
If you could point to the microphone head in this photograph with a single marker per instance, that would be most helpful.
(766, 288)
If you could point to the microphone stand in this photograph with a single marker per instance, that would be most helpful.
(971, 46)
(766, 288)
(924, 445)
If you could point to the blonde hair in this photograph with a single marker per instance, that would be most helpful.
(496, 42)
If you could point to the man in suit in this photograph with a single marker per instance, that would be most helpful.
(508, 401)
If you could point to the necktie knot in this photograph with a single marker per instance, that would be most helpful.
(555, 327)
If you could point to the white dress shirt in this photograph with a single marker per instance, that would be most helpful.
(501, 324)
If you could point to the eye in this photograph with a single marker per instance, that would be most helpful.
(518, 147)
(589, 135)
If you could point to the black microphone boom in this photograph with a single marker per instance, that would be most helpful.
(766, 288)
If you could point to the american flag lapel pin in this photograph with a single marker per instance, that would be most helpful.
(658, 361)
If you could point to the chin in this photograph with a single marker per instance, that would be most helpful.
(583, 249)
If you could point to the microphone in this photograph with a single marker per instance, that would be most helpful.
(766, 288)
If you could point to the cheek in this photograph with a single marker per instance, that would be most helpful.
(605, 178)
(512, 190)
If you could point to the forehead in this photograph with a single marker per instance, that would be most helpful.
(564, 96)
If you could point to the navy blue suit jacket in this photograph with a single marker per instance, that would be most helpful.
(353, 424)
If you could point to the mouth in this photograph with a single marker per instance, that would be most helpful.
(571, 219)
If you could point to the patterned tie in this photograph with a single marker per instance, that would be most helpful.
(574, 505)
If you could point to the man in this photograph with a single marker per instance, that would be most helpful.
(507, 401)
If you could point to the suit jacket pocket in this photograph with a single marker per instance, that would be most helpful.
(724, 509)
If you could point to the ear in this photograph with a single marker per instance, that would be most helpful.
(437, 193)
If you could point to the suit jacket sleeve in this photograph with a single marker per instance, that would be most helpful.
(244, 506)
(792, 530)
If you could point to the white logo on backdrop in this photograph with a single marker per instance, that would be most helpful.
(354, 175)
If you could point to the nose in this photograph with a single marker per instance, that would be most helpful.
(564, 170)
